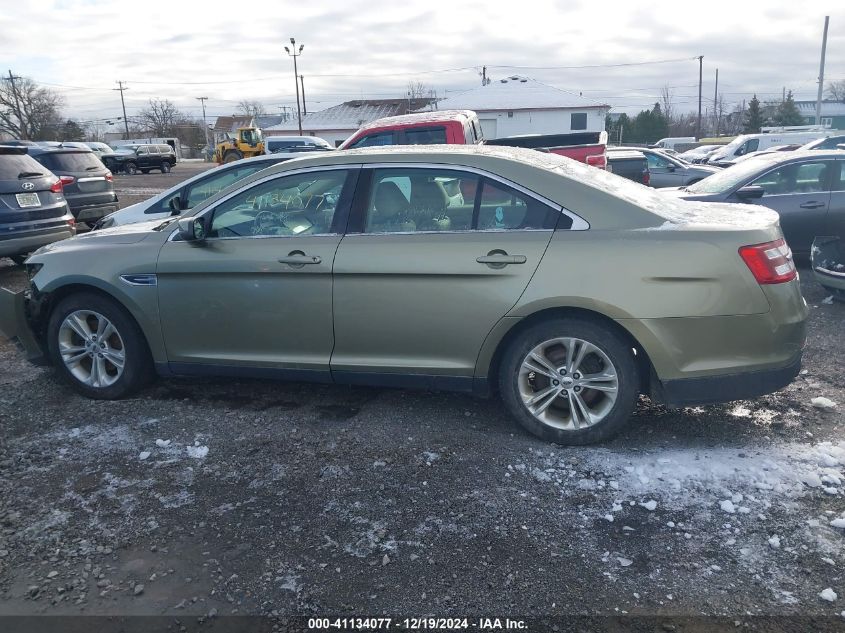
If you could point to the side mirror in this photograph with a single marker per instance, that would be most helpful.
(175, 205)
(671, 167)
(192, 229)
(750, 192)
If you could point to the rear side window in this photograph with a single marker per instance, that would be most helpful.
(426, 136)
(502, 208)
(374, 140)
(796, 178)
(71, 161)
(12, 165)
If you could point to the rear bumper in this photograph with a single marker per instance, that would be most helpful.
(741, 386)
(33, 240)
(829, 264)
(14, 324)
(91, 212)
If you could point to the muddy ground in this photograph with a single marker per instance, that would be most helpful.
(324, 500)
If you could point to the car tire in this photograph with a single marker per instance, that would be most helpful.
(145, 171)
(232, 156)
(91, 366)
(131, 169)
(165, 167)
(599, 413)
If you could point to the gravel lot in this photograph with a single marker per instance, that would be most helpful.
(251, 497)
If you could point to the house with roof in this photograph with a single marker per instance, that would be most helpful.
(519, 105)
(833, 113)
(339, 122)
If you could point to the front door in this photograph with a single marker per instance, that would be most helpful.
(258, 291)
(434, 258)
(800, 193)
(662, 172)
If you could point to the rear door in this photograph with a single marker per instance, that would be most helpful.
(434, 257)
(800, 193)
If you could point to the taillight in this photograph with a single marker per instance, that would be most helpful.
(646, 177)
(770, 263)
(109, 177)
(597, 160)
(67, 180)
(56, 187)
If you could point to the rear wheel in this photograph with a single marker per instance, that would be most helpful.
(97, 348)
(145, 171)
(131, 169)
(165, 167)
(232, 156)
(570, 381)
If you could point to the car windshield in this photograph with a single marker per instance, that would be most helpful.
(125, 149)
(727, 179)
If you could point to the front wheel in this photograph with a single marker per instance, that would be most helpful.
(232, 156)
(97, 348)
(165, 167)
(570, 381)
(131, 169)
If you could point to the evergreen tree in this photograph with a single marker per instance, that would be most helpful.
(71, 131)
(753, 119)
(787, 112)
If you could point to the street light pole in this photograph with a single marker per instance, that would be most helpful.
(202, 100)
(296, 53)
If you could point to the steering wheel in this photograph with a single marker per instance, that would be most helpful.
(268, 223)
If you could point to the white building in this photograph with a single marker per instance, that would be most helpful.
(518, 105)
(339, 122)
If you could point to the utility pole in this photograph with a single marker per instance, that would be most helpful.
(698, 121)
(716, 103)
(21, 120)
(123, 103)
(296, 54)
(304, 109)
(202, 100)
(821, 74)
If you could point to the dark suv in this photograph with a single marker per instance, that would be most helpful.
(33, 211)
(134, 158)
(88, 184)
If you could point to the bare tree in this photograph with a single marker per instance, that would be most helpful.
(160, 117)
(29, 111)
(836, 90)
(251, 108)
(667, 104)
(418, 90)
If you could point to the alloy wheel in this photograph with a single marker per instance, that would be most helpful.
(91, 348)
(568, 383)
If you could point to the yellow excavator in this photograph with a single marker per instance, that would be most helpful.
(247, 142)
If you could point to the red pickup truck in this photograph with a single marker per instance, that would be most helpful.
(461, 127)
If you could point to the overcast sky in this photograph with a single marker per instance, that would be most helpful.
(228, 51)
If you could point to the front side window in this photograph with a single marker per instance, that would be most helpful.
(142, 151)
(375, 140)
(299, 204)
(656, 161)
(424, 200)
(579, 121)
(426, 136)
(795, 178)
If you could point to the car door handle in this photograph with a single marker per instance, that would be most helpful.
(500, 259)
(300, 259)
(812, 205)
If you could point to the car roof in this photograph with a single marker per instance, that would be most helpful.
(59, 150)
(419, 118)
(797, 155)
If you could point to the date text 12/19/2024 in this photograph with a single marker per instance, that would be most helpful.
(417, 624)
